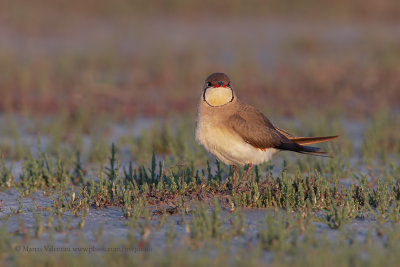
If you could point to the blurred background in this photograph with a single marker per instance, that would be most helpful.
(127, 59)
(101, 95)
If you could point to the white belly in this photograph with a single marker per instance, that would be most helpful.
(230, 148)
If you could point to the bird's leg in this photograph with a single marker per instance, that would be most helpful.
(249, 167)
(234, 175)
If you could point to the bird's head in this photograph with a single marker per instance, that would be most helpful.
(217, 90)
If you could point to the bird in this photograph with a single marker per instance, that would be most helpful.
(238, 134)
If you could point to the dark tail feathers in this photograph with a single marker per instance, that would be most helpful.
(308, 150)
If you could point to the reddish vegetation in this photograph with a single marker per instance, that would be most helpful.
(338, 89)
(102, 57)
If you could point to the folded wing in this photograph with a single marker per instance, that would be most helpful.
(259, 132)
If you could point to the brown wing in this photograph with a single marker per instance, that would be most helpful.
(284, 132)
(259, 132)
(312, 140)
(306, 140)
(255, 128)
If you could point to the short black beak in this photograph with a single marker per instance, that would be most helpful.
(220, 83)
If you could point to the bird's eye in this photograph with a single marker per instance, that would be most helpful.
(208, 83)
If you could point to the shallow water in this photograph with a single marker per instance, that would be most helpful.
(115, 225)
